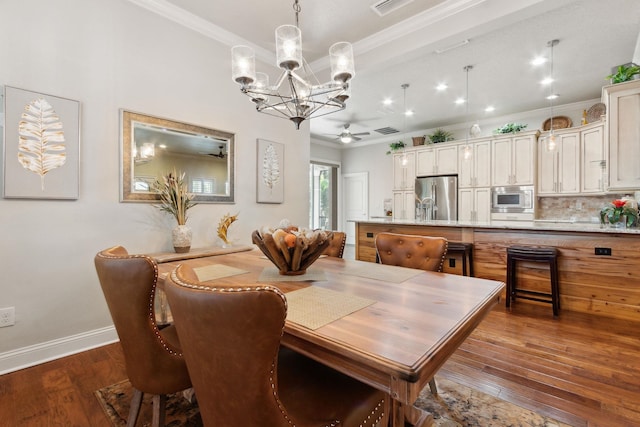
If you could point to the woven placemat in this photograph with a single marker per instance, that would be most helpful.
(216, 271)
(272, 274)
(314, 307)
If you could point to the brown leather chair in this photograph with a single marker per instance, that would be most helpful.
(152, 357)
(406, 250)
(336, 245)
(242, 377)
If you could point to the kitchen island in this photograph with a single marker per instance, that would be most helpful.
(605, 284)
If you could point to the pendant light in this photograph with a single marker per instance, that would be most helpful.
(404, 125)
(551, 139)
(466, 153)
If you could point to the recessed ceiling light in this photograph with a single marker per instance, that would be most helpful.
(553, 96)
(547, 81)
(459, 101)
(490, 108)
(441, 86)
(408, 113)
(538, 60)
(387, 101)
(163, 146)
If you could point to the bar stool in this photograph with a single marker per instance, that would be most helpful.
(533, 254)
(466, 250)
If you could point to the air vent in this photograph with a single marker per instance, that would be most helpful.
(387, 131)
(384, 7)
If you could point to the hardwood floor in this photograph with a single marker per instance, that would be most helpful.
(579, 369)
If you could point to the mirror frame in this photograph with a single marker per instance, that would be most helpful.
(126, 143)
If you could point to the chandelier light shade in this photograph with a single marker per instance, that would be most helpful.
(297, 94)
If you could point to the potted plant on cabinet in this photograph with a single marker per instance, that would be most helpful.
(395, 146)
(176, 200)
(624, 73)
(440, 135)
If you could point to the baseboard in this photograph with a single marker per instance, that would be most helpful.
(25, 357)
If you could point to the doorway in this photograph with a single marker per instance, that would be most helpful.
(323, 200)
(356, 202)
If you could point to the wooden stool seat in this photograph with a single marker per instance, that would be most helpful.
(466, 249)
(533, 254)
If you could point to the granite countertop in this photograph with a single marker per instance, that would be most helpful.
(537, 225)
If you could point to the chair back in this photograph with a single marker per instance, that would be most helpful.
(153, 360)
(230, 337)
(336, 244)
(405, 250)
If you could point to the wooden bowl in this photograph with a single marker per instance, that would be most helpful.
(292, 261)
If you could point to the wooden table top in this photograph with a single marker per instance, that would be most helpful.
(395, 344)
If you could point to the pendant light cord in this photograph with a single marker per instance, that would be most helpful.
(296, 9)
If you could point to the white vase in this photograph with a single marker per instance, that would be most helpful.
(181, 238)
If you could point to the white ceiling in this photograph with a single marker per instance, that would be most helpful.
(504, 35)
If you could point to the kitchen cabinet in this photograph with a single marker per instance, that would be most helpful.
(404, 170)
(623, 132)
(513, 159)
(404, 206)
(476, 170)
(593, 164)
(559, 169)
(474, 204)
(437, 160)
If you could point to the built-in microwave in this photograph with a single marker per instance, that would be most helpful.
(512, 199)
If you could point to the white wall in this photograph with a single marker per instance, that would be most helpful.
(111, 55)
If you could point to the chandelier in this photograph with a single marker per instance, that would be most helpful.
(297, 94)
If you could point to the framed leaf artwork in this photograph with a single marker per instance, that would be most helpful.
(270, 172)
(41, 145)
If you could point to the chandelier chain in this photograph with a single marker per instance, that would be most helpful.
(297, 9)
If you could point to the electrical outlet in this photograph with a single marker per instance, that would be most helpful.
(603, 251)
(452, 262)
(7, 316)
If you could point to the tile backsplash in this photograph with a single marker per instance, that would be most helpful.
(578, 208)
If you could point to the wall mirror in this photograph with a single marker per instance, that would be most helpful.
(153, 146)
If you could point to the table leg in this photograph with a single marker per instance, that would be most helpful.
(408, 415)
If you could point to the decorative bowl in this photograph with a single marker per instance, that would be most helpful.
(292, 252)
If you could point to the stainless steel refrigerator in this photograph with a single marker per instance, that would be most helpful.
(437, 198)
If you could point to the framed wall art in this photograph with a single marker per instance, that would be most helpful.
(270, 172)
(41, 145)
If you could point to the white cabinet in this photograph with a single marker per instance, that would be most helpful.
(513, 159)
(623, 131)
(404, 171)
(474, 204)
(404, 206)
(475, 171)
(593, 164)
(559, 169)
(437, 160)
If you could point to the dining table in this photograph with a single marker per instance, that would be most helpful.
(389, 327)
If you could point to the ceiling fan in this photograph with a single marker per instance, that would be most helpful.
(346, 136)
(220, 155)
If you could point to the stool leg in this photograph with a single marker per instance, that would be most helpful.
(555, 289)
(471, 262)
(464, 264)
(510, 267)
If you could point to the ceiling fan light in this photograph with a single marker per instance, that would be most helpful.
(341, 58)
(288, 47)
(243, 65)
(346, 139)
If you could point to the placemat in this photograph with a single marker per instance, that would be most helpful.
(313, 307)
(272, 274)
(394, 275)
(216, 271)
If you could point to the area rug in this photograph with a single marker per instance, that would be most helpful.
(454, 406)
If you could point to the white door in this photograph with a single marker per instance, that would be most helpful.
(356, 202)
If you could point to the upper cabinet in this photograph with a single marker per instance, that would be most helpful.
(592, 156)
(475, 171)
(404, 170)
(559, 169)
(437, 160)
(513, 159)
(623, 130)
